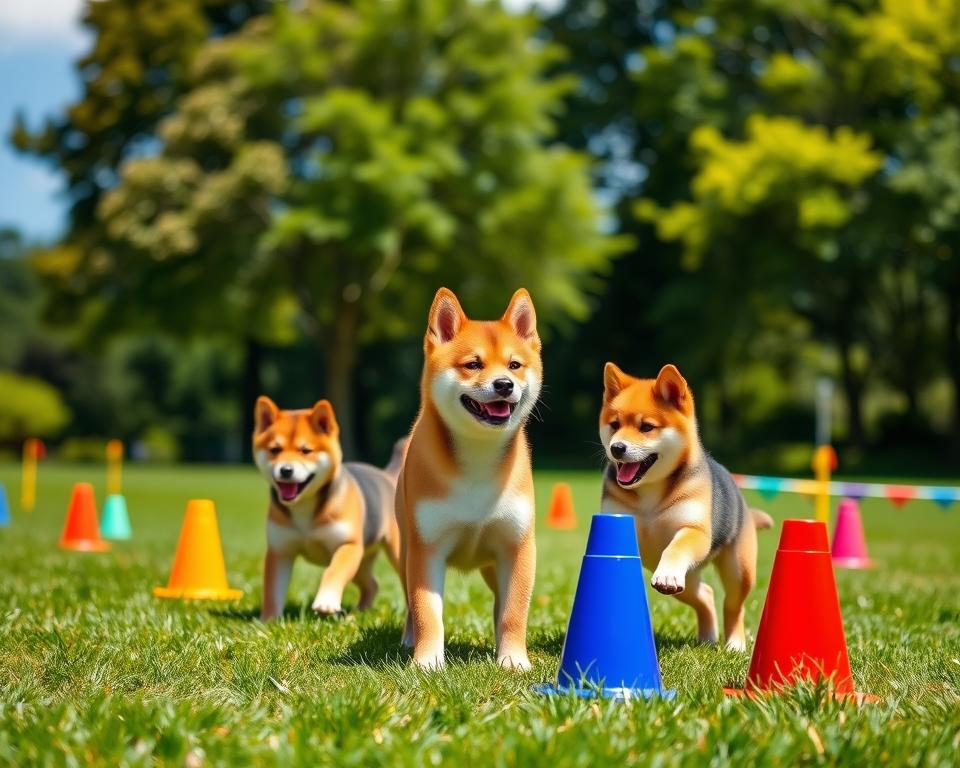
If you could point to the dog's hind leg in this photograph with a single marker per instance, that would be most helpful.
(489, 573)
(737, 564)
(366, 581)
(699, 596)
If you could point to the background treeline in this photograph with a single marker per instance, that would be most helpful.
(264, 197)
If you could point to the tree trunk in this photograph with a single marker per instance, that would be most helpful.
(341, 349)
(853, 392)
(953, 359)
(251, 387)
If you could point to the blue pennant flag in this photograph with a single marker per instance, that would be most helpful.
(769, 486)
(945, 496)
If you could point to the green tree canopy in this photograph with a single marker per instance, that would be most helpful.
(355, 158)
(29, 408)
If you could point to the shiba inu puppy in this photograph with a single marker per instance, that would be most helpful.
(465, 495)
(687, 508)
(332, 513)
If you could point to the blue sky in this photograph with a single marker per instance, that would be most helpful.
(39, 41)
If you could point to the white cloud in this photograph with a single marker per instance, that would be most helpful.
(28, 22)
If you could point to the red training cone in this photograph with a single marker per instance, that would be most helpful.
(561, 514)
(81, 531)
(849, 544)
(801, 629)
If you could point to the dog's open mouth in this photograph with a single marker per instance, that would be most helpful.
(630, 472)
(290, 491)
(496, 412)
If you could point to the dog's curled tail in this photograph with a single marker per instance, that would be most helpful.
(761, 520)
(396, 458)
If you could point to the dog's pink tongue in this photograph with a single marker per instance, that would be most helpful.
(627, 471)
(288, 491)
(498, 408)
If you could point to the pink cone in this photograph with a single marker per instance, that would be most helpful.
(849, 544)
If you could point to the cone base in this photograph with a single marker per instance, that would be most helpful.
(853, 562)
(85, 545)
(758, 694)
(197, 594)
(111, 536)
(617, 694)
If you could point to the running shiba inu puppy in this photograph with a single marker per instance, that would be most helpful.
(333, 513)
(465, 495)
(688, 510)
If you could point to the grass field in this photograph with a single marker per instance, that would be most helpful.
(94, 670)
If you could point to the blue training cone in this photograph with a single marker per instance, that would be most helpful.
(115, 523)
(609, 650)
(4, 507)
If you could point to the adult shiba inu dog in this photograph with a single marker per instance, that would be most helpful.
(465, 495)
(332, 513)
(687, 508)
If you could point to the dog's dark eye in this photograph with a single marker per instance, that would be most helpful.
(646, 426)
(305, 450)
(514, 365)
(473, 365)
(614, 425)
(274, 450)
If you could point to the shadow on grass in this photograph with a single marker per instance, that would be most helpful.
(291, 612)
(381, 644)
(551, 641)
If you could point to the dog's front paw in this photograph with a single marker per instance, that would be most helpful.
(429, 662)
(326, 603)
(516, 661)
(668, 580)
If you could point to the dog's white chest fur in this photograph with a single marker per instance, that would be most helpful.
(474, 521)
(302, 536)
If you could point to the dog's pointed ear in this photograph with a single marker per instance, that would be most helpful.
(264, 414)
(521, 315)
(446, 317)
(671, 387)
(322, 418)
(614, 381)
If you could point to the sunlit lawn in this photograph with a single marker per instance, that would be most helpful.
(93, 669)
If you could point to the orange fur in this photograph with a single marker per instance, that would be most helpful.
(324, 517)
(660, 473)
(465, 495)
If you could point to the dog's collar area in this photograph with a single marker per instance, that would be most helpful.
(495, 413)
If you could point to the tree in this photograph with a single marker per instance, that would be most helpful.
(29, 408)
(357, 157)
(133, 76)
(831, 249)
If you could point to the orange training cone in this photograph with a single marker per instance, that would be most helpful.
(801, 629)
(198, 570)
(561, 514)
(81, 531)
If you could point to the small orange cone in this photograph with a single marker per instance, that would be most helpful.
(561, 514)
(81, 531)
(198, 570)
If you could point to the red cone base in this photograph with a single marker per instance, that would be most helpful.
(800, 637)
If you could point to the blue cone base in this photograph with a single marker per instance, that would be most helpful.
(617, 694)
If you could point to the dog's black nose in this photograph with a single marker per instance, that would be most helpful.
(503, 387)
(286, 471)
(618, 449)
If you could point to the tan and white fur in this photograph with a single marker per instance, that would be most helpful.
(465, 495)
(687, 508)
(333, 513)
